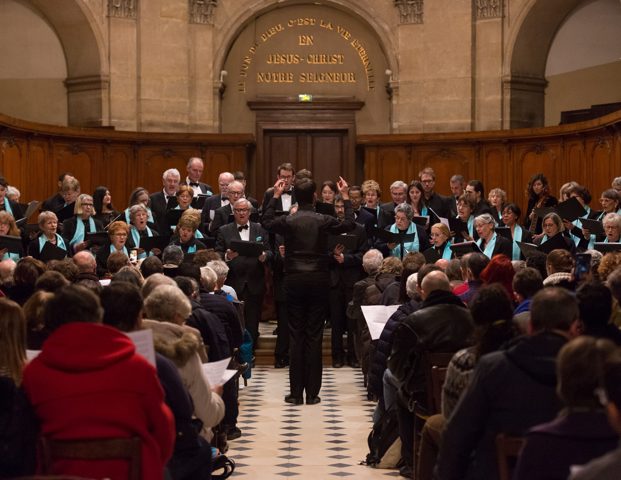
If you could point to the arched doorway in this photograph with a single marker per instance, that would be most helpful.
(293, 72)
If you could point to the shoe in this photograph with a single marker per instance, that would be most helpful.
(294, 400)
(233, 433)
(337, 363)
(353, 363)
(312, 400)
(406, 471)
(281, 363)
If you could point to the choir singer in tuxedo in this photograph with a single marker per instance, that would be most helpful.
(246, 273)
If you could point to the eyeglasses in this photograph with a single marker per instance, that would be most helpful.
(427, 181)
(232, 192)
(87, 204)
(120, 234)
(241, 210)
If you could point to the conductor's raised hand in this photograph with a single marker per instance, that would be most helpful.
(343, 187)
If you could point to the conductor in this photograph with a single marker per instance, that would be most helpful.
(307, 280)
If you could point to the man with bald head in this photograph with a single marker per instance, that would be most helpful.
(194, 169)
(216, 201)
(87, 265)
(443, 324)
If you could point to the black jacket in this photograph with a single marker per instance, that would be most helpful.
(226, 312)
(212, 330)
(443, 324)
(383, 347)
(510, 391)
(306, 236)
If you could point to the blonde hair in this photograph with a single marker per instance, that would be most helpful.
(78, 203)
(371, 185)
(190, 218)
(12, 340)
(7, 219)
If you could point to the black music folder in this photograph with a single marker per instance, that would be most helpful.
(12, 243)
(461, 249)
(349, 241)
(247, 249)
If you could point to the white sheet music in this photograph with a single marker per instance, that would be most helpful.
(376, 317)
(143, 341)
(216, 372)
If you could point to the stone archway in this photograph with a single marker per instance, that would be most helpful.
(524, 79)
(87, 82)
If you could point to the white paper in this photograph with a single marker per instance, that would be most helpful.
(376, 317)
(32, 354)
(228, 374)
(215, 371)
(143, 341)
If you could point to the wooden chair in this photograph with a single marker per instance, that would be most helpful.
(434, 366)
(93, 449)
(507, 450)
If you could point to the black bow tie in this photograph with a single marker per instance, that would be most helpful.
(194, 184)
(243, 227)
(286, 193)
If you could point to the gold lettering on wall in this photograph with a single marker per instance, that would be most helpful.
(275, 60)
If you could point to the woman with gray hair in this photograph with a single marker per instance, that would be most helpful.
(139, 228)
(167, 308)
(404, 225)
(552, 226)
(612, 228)
(489, 241)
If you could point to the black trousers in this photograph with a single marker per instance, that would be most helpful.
(340, 296)
(253, 304)
(281, 350)
(307, 302)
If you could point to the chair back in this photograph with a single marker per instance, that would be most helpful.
(507, 450)
(93, 449)
(435, 365)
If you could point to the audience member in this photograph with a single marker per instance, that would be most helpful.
(510, 391)
(25, 276)
(475, 264)
(581, 431)
(526, 283)
(34, 313)
(83, 369)
(560, 266)
(595, 304)
(51, 281)
(151, 265)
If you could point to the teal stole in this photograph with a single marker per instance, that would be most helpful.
(447, 253)
(517, 237)
(471, 226)
(78, 236)
(113, 249)
(413, 246)
(7, 207)
(577, 238)
(11, 256)
(136, 239)
(60, 243)
(489, 248)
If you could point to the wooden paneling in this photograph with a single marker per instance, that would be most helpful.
(588, 152)
(33, 155)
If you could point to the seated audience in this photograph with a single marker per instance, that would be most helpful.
(83, 369)
(19, 430)
(167, 308)
(123, 306)
(581, 431)
(526, 283)
(475, 264)
(510, 391)
(595, 303)
(26, 273)
(34, 313)
(609, 392)
(560, 267)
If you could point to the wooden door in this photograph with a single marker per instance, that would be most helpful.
(323, 152)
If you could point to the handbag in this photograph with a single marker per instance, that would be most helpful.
(224, 463)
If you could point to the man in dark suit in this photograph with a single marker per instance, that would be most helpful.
(216, 201)
(457, 184)
(474, 190)
(195, 168)
(159, 200)
(306, 280)
(285, 173)
(438, 203)
(240, 177)
(246, 273)
(362, 216)
(222, 215)
(55, 202)
(345, 271)
(398, 192)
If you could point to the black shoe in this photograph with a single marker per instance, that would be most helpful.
(294, 400)
(233, 433)
(406, 471)
(353, 363)
(281, 363)
(312, 400)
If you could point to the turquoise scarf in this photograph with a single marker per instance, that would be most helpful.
(408, 247)
(78, 236)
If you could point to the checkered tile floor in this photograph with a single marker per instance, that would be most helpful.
(315, 442)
